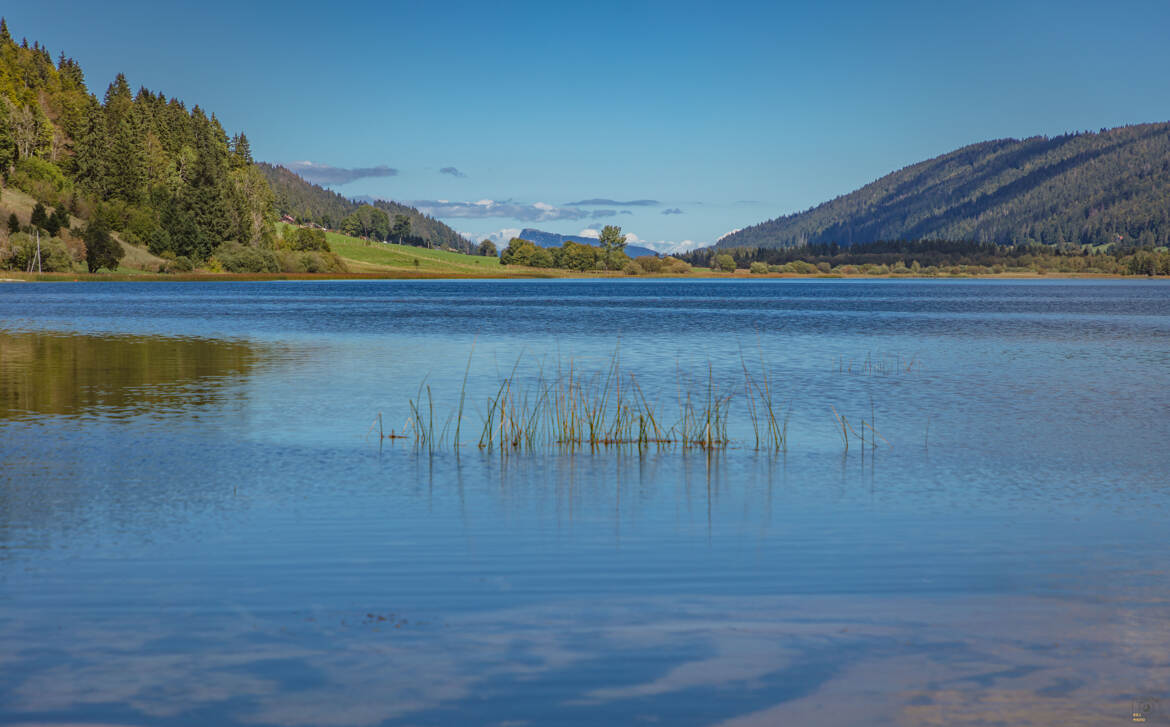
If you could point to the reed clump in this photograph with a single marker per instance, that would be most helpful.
(573, 409)
(569, 408)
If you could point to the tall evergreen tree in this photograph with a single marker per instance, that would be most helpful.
(101, 250)
(401, 229)
(39, 216)
(52, 224)
(7, 139)
(125, 163)
(90, 162)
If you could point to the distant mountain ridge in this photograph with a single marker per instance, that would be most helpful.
(553, 239)
(1090, 188)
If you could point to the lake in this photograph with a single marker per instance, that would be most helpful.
(199, 523)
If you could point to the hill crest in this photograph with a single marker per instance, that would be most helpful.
(1087, 188)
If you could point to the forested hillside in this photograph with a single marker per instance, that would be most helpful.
(138, 163)
(1109, 187)
(81, 173)
(306, 202)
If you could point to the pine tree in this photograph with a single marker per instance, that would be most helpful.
(39, 216)
(7, 139)
(13, 224)
(52, 224)
(90, 161)
(241, 151)
(101, 250)
(125, 163)
(5, 36)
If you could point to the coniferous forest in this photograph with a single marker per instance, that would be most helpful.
(1094, 188)
(142, 168)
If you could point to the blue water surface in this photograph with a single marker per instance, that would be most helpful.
(199, 523)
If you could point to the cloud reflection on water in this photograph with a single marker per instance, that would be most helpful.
(692, 660)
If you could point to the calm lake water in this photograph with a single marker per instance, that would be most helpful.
(197, 526)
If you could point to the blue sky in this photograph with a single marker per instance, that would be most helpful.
(713, 116)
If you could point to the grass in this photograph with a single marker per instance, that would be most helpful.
(391, 260)
(363, 256)
(138, 261)
(846, 429)
(570, 409)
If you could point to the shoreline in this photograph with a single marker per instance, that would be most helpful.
(527, 274)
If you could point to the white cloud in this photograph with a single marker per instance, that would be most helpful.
(668, 247)
(500, 237)
(725, 234)
(328, 175)
(589, 232)
(538, 212)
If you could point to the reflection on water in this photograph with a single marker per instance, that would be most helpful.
(71, 374)
(195, 530)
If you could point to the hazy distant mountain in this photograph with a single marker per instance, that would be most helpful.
(552, 239)
(1104, 187)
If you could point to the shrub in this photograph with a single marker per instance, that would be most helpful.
(633, 268)
(725, 262)
(159, 242)
(21, 248)
(41, 179)
(759, 268)
(650, 263)
(575, 256)
(304, 239)
(525, 252)
(237, 258)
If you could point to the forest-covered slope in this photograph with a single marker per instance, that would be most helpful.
(307, 202)
(143, 168)
(136, 163)
(1106, 187)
